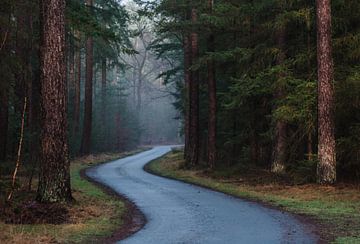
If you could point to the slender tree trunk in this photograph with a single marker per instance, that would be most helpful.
(94, 83)
(254, 147)
(18, 159)
(71, 65)
(212, 102)
(194, 98)
(309, 67)
(118, 146)
(77, 90)
(138, 92)
(326, 170)
(34, 120)
(4, 118)
(86, 138)
(54, 179)
(309, 146)
(279, 149)
(103, 101)
(4, 90)
(187, 74)
(139, 83)
(22, 54)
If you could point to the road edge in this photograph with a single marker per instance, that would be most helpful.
(133, 218)
(311, 225)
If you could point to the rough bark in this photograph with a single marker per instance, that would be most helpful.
(54, 179)
(279, 149)
(194, 98)
(326, 170)
(187, 77)
(86, 137)
(212, 102)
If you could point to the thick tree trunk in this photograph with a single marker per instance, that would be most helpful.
(187, 77)
(212, 103)
(54, 179)
(194, 98)
(279, 149)
(326, 170)
(86, 137)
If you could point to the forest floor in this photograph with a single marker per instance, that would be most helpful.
(334, 210)
(95, 215)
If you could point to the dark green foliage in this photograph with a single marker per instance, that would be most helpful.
(248, 75)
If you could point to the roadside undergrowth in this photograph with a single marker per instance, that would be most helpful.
(335, 210)
(93, 216)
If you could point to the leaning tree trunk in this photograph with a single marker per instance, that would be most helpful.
(279, 149)
(86, 137)
(326, 170)
(54, 179)
(194, 98)
(212, 102)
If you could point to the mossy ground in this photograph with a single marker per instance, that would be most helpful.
(335, 209)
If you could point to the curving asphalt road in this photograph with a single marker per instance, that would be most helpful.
(182, 213)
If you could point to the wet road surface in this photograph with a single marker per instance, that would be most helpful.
(182, 213)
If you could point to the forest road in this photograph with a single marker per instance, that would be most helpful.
(177, 212)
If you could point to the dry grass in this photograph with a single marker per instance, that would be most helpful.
(94, 215)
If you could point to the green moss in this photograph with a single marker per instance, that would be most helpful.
(347, 240)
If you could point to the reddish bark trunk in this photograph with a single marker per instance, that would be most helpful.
(187, 74)
(212, 103)
(194, 98)
(54, 179)
(86, 137)
(326, 170)
(279, 149)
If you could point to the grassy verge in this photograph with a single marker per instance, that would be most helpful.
(93, 216)
(335, 210)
